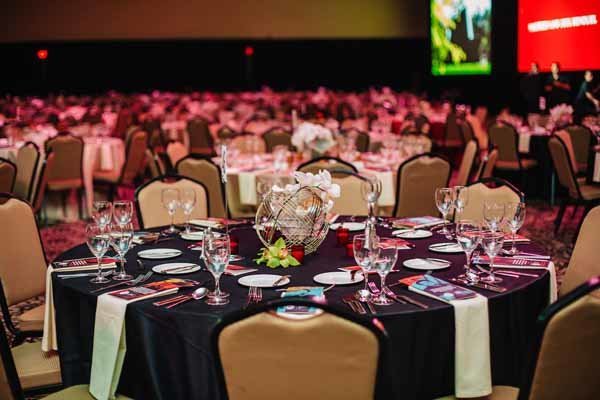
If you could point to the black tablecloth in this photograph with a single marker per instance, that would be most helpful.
(169, 354)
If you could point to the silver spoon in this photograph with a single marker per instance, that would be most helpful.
(196, 295)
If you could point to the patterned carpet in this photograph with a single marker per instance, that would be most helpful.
(538, 226)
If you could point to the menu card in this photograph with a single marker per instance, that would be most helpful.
(84, 262)
(137, 292)
(313, 293)
(417, 222)
(436, 288)
(236, 270)
(512, 262)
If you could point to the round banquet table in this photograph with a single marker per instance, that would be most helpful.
(169, 355)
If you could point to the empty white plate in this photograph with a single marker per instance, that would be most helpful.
(351, 226)
(338, 278)
(176, 268)
(262, 280)
(412, 234)
(196, 235)
(449, 247)
(159, 254)
(426, 264)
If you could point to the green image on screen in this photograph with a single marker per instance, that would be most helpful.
(461, 37)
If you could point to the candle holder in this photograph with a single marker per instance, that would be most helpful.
(350, 249)
(298, 252)
(343, 235)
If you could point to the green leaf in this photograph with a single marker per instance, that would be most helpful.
(273, 250)
(280, 243)
(292, 260)
(285, 263)
(273, 263)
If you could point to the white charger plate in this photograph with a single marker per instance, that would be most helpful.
(425, 265)
(159, 254)
(450, 247)
(163, 268)
(338, 278)
(262, 280)
(412, 234)
(351, 226)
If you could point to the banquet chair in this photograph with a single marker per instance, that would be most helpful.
(362, 139)
(8, 173)
(277, 137)
(579, 193)
(453, 136)
(566, 139)
(562, 363)
(226, 133)
(154, 163)
(131, 169)
(488, 189)
(331, 164)
(466, 130)
(506, 139)
(487, 165)
(28, 159)
(66, 173)
(148, 201)
(201, 141)
(416, 181)
(176, 151)
(584, 262)
(202, 169)
(466, 165)
(350, 188)
(248, 144)
(37, 203)
(22, 266)
(581, 137)
(262, 353)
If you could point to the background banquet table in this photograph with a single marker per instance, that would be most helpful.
(169, 354)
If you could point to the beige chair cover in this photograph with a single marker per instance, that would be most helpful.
(479, 193)
(580, 139)
(66, 171)
(466, 165)
(277, 137)
(176, 151)
(350, 201)
(7, 176)
(209, 174)
(329, 164)
(27, 162)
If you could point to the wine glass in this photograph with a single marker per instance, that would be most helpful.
(468, 236)
(188, 202)
(97, 239)
(493, 214)
(102, 213)
(386, 259)
(461, 199)
(171, 200)
(515, 218)
(444, 201)
(121, 237)
(122, 212)
(217, 257)
(492, 243)
(371, 190)
(365, 253)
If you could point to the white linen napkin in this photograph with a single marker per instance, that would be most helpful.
(49, 341)
(109, 343)
(472, 364)
(388, 196)
(247, 186)
(524, 142)
(596, 176)
(551, 269)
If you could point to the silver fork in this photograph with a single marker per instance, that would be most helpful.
(250, 297)
(140, 278)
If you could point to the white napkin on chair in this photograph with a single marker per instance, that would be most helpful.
(247, 187)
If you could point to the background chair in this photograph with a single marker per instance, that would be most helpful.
(134, 162)
(416, 181)
(203, 170)
(578, 192)
(585, 261)
(506, 139)
(492, 190)
(226, 133)
(155, 164)
(66, 172)
(566, 139)
(466, 131)
(176, 151)
(148, 201)
(331, 164)
(350, 201)
(28, 159)
(487, 165)
(277, 137)
(467, 163)
(39, 193)
(261, 354)
(453, 137)
(581, 138)
(8, 173)
(201, 141)
(22, 265)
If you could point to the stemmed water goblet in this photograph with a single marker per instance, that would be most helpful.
(468, 236)
(122, 212)
(97, 239)
(216, 252)
(102, 212)
(366, 249)
(514, 220)
(461, 199)
(444, 201)
(121, 237)
(386, 259)
(171, 200)
(492, 243)
(493, 215)
(188, 202)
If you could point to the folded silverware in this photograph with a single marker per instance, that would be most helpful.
(480, 285)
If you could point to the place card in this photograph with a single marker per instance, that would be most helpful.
(236, 270)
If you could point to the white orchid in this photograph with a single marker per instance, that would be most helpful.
(322, 180)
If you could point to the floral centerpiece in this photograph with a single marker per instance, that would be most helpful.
(276, 255)
(313, 137)
(561, 114)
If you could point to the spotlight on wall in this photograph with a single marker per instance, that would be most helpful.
(249, 51)
(42, 54)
